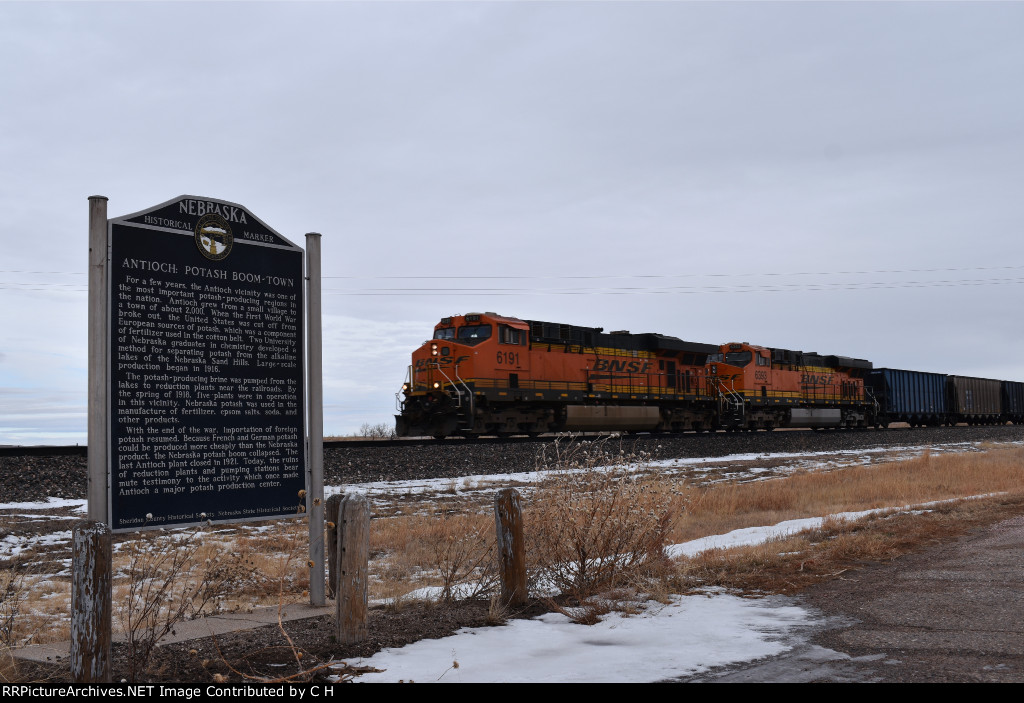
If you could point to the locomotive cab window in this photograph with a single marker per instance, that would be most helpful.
(507, 335)
(445, 333)
(763, 360)
(474, 334)
(715, 358)
(740, 359)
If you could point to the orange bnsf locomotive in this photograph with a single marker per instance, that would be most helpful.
(758, 387)
(483, 373)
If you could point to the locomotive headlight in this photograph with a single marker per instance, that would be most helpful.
(437, 384)
(405, 387)
(714, 369)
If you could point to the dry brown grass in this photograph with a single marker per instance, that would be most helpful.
(791, 564)
(977, 487)
(720, 508)
(451, 551)
(33, 608)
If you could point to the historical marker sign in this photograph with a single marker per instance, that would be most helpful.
(206, 399)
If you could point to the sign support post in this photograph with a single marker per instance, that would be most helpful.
(92, 563)
(315, 450)
(98, 363)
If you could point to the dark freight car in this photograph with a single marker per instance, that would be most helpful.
(976, 401)
(1013, 402)
(915, 397)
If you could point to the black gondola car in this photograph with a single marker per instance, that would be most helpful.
(914, 397)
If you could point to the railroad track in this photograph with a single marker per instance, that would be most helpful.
(464, 442)
(83, 450)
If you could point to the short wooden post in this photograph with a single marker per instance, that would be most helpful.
(91, 584)
(508, 522)
(353, 568)
(331, 518)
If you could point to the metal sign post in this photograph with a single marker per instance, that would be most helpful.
(315, 496)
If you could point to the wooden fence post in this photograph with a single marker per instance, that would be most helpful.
(508, 522)
(91, 583)
(331, 518)
(353, 568)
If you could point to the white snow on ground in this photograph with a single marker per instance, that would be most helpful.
(692, 634)
(77, 504)
(12, 546)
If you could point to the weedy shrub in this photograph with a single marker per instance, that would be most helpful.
(169, 582)
(8, 667)
(12, 595)
(464, 555)
(454, 550)
(273, 557)
(595, 524)
(497, 611)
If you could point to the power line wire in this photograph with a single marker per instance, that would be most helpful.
(676, 290)
(747, 274)
(820, 286)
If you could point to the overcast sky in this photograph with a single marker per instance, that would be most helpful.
(834, 177)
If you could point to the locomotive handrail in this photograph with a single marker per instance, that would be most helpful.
(878, 406)
(399, 403)
(458, 393)
(469, 393)
(729, 397)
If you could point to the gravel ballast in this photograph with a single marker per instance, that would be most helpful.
(35, 478)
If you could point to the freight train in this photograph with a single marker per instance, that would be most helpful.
(487, 374)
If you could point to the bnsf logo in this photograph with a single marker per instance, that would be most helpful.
(622, 366)
(815, 380)
(439, 360)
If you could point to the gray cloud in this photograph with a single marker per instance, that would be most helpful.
(464, 146)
